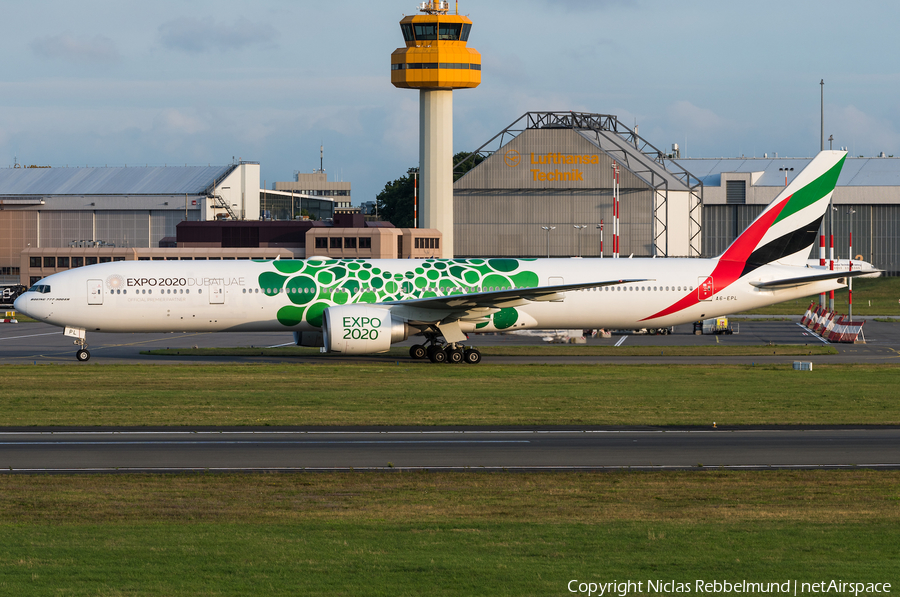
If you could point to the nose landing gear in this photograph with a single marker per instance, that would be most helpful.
(82, 354)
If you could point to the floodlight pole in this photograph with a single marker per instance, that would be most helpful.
(600, 227)
(548, 229)
(579, 228)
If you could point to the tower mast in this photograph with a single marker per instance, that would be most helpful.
(436, 61)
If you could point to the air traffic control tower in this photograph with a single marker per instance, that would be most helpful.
(436, 61)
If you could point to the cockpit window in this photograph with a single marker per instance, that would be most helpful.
(40, 288)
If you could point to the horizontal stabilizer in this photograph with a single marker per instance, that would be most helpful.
(800, 281)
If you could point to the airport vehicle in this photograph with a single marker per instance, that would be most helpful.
(363, 306)
(715, 325)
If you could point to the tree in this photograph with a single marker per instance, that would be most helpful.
(395, 202)
(460, 167)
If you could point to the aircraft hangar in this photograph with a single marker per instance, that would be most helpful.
(546, 184)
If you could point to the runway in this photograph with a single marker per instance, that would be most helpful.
(588, 449)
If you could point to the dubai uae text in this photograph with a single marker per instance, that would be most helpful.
(791, 587)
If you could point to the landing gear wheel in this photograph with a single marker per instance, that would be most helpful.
(436, 354)
(417, 351)
(83, 355)
(455, 355)
(472, 356)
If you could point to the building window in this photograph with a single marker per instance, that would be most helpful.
(62, 262)
(49, 262)
(365, 242)
(735, 192)
(34, 280)
(335, 242)
(116, 259)
(105, 259)
(77, 261)
(139, 258)
(34, 262)
(90, 261)
(321, 242)
(350, 243)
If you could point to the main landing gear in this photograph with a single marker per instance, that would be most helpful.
(437, 352)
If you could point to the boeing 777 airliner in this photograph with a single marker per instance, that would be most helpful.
(356, 306)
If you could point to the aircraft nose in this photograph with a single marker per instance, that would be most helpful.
(19, 306)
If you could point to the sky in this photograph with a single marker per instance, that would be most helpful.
(196, 82)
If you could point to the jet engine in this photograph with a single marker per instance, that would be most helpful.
(361, 329)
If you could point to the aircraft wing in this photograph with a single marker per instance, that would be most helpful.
(801, 280)
(499, 298)
(446, 312)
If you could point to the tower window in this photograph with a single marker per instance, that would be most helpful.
(407, 32)
(426, 31)
(450, 31)
(465, 31)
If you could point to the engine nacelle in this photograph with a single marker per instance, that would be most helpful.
(361, 329)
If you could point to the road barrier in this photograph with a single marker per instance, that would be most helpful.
(823, 322)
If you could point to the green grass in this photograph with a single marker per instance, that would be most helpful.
(414, 393)
(875, 296)
(440, 534)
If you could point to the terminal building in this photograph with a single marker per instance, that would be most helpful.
(54, 219)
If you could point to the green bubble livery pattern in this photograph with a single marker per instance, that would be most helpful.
(311, 286)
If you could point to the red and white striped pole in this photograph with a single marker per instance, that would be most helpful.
(822, 263)
(831, 258)
(850, 279)
(615, 209)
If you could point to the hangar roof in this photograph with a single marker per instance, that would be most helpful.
(157, 180)
(857, 172)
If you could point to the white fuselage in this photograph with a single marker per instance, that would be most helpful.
(248, 296)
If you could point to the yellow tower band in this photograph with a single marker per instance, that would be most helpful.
(435, 56)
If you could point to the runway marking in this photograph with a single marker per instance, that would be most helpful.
(811, 333)
(280, 345)
(268, 443)
(30, 336)
(621, 340)
(435, 431)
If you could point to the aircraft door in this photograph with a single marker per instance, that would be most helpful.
(216, 293)
(705, 288)
(95, 292)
